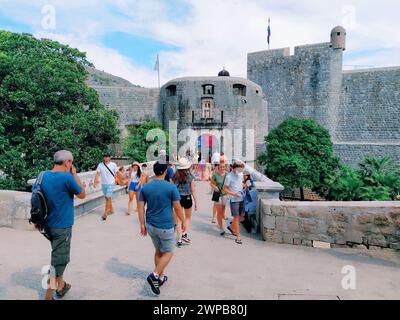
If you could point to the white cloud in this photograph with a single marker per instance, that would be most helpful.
(219, 33)
(107, 60)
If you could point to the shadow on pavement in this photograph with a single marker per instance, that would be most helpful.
(30, 280)
(124, 270)
(365, 258)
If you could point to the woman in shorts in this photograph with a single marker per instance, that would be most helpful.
(135, 185)
(185, 183)
(219, 199)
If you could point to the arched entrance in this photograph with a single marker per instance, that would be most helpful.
(207, 144)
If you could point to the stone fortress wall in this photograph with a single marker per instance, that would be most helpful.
(134, 104)
(360, 108)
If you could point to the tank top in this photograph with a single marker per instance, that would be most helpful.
(134, 177)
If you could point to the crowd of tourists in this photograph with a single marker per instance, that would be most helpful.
(164, 204)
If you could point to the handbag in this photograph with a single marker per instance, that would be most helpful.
(216, 195)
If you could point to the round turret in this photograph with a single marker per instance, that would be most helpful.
(338, 38)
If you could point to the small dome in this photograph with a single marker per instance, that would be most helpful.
(223, 73)
(338, 29)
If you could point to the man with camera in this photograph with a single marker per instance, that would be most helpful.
(59, 187)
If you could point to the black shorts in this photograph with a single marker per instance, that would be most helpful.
(186, 201)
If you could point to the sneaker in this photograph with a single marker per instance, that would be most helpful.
(154, 284)
(161, 282)
(179, 244)
(186, 238)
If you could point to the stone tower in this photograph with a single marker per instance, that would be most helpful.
(338, 38)
(305, 84)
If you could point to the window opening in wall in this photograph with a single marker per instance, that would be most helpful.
(208, 89)
(171, 91)
(239, 90)
(207, 108)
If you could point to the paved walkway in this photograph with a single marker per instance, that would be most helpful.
(111, 261)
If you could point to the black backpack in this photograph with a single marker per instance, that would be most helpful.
(39, 209)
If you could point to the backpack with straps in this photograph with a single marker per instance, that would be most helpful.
(39, 209)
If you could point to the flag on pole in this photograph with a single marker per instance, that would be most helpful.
(269, 32)
(157, 65)
(157, 68)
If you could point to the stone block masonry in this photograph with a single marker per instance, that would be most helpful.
(371, 224)
(134, 105)
(361, 108)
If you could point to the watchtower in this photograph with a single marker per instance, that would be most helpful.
(338, 38)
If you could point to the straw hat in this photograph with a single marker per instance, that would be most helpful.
(136, 164)
(184, 164)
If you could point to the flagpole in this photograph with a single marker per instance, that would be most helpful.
(269, 33)
(158, 59)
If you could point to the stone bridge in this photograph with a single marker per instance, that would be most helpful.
(110, 260)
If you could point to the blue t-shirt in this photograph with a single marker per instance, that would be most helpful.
(170, 174)
(159, 195)
(59, 189)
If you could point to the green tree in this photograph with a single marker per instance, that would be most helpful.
(376, 179)
(136, 145)
(299, 154)
(45, 105)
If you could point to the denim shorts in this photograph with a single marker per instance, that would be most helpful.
(108, 190)
(134, 185)
(163, 239)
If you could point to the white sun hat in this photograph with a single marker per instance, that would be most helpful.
(184, 164)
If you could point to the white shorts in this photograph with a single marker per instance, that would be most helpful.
(222, 201)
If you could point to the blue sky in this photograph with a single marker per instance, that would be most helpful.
(199, 37)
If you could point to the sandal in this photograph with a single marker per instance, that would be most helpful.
(214, 221)
(238, 241)
(103, 218)
(231, 231)
(64, 290)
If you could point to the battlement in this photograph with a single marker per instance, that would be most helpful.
(368, 70)
(267, 56)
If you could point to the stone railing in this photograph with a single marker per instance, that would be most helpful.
(266, 190)
(14, 209)
(15, 206)
(335, 224)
